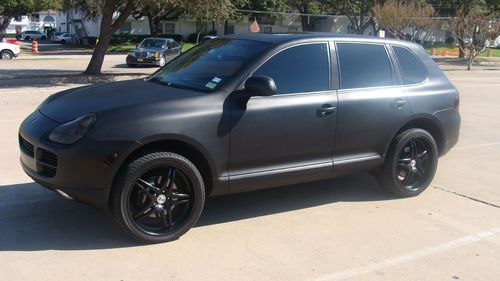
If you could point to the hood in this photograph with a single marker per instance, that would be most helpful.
(71, 104)
(152, 50)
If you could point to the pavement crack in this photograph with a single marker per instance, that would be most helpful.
(468, 197)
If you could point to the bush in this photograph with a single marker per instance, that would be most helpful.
(192, 37)
(89, 40)
(127, 39)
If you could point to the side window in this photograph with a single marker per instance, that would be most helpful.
(413, 70)
(299, 69)
(363, 65)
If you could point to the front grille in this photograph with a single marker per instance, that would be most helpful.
(47, 162)
(141, 55)
(26, 147)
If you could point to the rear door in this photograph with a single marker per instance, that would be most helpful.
(287, 137)
(372, 106)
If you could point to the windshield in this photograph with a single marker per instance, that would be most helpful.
(207, 66)
(152, 43)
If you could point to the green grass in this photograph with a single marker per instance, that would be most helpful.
(448, 48)
(122, 48)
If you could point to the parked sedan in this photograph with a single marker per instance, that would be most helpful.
(153, 51)
(65, 37)
(240, 113)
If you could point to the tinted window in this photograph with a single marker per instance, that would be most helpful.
(207, 66)
(363, 65)
(412, 68)
(299, 69)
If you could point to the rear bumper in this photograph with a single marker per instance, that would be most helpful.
(84, 170)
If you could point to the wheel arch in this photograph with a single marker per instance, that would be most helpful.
(428, 123)
(181, 145)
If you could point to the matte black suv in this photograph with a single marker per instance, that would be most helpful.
(240, 113)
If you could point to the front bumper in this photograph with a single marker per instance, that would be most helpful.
(143, 61)
(84, 170)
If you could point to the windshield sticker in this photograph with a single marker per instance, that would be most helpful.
(216, 79)
(210, 85)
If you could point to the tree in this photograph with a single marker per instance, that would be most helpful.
(308, 7)
(156, 11)
(394, 16)
(474, 31)
(10, 9)
(204, 12)
(359, 13)
(92, 9)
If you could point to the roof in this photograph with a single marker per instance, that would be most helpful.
(279, 38)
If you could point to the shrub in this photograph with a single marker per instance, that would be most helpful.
(176, 37)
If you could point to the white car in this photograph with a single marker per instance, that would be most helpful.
(9, 51)
(64, 37)
(33, 35)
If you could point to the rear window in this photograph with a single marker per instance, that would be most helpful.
(363, 65)
(413, 70)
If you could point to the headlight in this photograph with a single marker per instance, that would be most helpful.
(74, 130)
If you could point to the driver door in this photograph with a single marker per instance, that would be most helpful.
(288, 137)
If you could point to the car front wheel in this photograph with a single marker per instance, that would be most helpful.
(158, 197)
(410, 164)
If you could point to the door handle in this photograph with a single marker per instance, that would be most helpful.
(398, 103)
(326, 110)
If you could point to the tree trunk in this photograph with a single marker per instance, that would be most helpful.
(153, 25)
(461, 49)
(4, 24)
(469, 63)
(106, 31)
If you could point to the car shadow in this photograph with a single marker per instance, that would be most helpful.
(35, 219)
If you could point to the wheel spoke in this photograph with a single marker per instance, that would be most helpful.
(413, 149)
(169, 184)
(180, 195)
(163, 215)
(146, 187)
(404, 160)
(408, 177)
(178, 202)
(420, 170)
(143, 214)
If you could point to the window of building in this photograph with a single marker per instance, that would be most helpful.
(168, 28)
(126, 28)
(299, 69)
(363, 65)
(413, 69)
(267, 29)
(293, 29)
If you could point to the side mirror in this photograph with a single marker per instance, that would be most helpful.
(260, 86)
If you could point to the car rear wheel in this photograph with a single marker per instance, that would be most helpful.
(27, 38)
(6, 55)
(158, 197)
(63, 41)
(410, 164)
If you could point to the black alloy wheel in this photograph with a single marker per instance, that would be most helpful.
(410, 164)
(159, 197)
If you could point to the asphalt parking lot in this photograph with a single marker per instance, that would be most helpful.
(341, 229)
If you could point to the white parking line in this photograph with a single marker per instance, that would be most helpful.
(469, 239)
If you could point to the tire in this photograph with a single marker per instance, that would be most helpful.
(27, 38)
(43, 38)
(63, 41)
(158, 197)
(410, 163)
(6, 55)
